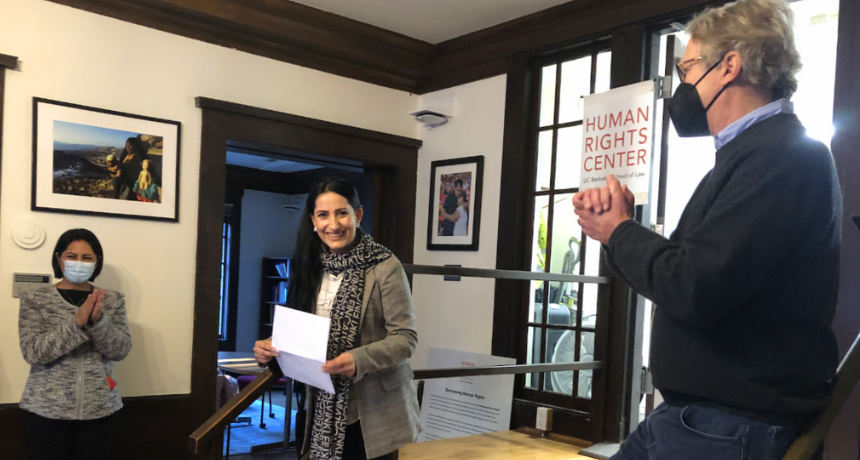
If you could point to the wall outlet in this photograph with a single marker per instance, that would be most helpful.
(544, 419)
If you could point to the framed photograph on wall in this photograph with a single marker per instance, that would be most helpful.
(104, 163)
(455, 204)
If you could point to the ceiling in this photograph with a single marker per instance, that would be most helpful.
(432, 21)
(266, 163)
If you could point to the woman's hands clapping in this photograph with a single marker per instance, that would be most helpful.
(91, 310)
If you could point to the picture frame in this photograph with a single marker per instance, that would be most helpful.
(99, 162)
(455, 192)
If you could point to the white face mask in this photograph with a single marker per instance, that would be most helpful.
(77, 272)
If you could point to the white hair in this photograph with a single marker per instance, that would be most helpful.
(761, 32)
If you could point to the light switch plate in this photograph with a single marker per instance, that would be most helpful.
(27, 281)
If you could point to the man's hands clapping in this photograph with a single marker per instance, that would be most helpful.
(601, 210)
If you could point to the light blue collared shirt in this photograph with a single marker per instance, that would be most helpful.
(760, 114)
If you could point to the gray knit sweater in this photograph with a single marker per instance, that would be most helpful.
(70, 365)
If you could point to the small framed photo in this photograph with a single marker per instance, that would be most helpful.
(455, 204)
(104, 163)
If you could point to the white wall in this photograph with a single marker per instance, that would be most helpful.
(79, 57)
(459, 315)
(267, 230)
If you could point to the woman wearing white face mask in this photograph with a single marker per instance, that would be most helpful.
(71, 333)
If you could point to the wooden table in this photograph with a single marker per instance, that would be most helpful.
(245, 364)
(503, 445)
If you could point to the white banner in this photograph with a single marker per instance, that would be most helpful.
(465, 406)
(618, 138)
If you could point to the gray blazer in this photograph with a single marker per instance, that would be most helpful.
(383, 388)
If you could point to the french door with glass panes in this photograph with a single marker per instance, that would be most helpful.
(561, 319)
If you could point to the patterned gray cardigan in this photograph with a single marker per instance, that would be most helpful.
(70, 365)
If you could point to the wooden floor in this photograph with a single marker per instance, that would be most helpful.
(504, 445)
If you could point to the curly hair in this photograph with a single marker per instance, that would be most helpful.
(761, 32)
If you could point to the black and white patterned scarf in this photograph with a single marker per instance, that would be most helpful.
(330, 410)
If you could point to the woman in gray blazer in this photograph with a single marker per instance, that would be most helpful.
(340, 272)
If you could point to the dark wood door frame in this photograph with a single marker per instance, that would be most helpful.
(6, 62)
(10, 435)
(225, 122)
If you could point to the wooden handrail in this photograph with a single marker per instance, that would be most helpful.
(200, 440)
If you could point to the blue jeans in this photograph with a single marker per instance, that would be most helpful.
(701, 433)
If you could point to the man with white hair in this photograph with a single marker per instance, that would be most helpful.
(742, 349)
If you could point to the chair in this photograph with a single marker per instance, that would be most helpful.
(243, 381)
(808, 444)
(282, 383)
(225, 388)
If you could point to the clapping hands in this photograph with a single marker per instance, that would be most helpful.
(601, 210)
(91, 309)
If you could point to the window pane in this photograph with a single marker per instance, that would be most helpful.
(566, 236)
(575, 83)
(560, 348)
(540, 233)
(586, 355)
(547, 95)
(816, 30)
(568, 154)
(562, 304)
(544, 162)
(536, 307)
(604, 64)
(533, 354)
(589, 296)
(538, 257)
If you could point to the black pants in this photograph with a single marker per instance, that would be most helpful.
(353, 445)
(49, 439)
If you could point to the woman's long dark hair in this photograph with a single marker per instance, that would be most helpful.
(306, 268)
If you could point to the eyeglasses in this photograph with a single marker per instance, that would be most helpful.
(685, 66)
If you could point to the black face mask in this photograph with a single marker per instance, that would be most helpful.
(688, 114)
